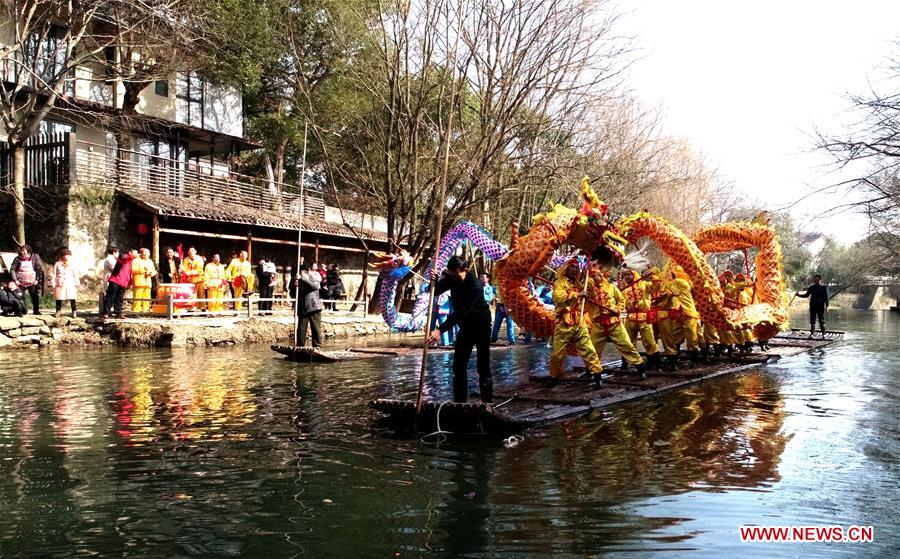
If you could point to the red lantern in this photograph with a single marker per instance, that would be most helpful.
(142, 229)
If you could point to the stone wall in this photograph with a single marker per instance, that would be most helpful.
(42, 330)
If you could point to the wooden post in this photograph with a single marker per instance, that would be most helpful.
(250, 246)
(250, 305)
(155, 245)
(170, 307)
(316, 259)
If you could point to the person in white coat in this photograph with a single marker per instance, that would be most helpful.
(64, 281)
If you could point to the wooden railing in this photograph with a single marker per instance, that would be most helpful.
(99, 166)
(281, 306)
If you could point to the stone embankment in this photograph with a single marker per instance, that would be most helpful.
(43, 330)
(35, 331)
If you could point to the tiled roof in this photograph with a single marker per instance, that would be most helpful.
(231, 212)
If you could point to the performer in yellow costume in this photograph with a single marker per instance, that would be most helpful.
(240, 274)
(142, 272)
(683, 321)
(637, 292)
(605, 304)
(192, 270)
(214, 280)
(571, 327)
(745, 297)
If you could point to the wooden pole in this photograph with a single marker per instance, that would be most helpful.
(299, 237)
(437, 241)
(155, 245)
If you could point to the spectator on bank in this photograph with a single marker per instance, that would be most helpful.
(192, 271)
(265, 279)
(112, 256)
(334, 286)
(489, 291)
(27, 271)
(215, 282)
(142, 273)
(64, 281)
(239, 272)
(11, 300)
(309, 307)
(169, 267)
(118, 281)
(501, 314)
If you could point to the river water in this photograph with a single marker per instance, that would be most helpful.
(228, 452)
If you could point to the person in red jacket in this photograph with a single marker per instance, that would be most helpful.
(119, 280)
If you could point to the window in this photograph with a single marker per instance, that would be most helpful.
(54, 127)
(109, 55)
(189, 99)
(43, 58)
(162, 88)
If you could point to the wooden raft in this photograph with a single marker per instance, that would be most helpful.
(308, 354)
(538, 402)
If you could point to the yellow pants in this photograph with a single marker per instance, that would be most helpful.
(616, 334)
(216, 303)
(141, 293)
(710, 335)
(727, 337)
(238, 293)
(645, 330)
(684, 330)
(200, 292)
(578, 335)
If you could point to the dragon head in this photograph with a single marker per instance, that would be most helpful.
(594, 232)
(389, 261)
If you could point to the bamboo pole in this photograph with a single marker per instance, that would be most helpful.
(437, 242)
(299, 237)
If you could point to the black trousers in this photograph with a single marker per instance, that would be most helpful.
(115, 296)
(35, 297)
(814, 313)
(266, 292)
(59, 303)
(313, 321)
(477, 335)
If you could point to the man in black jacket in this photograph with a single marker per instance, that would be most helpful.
(168, 267)
(471, 314)
(818, 302)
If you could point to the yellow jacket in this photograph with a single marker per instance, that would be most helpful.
(214, 275)
(142, 269)
(565, 297)
(680, 291)
(192, 268)
(238, 268)
(606, 300)
(637, 296)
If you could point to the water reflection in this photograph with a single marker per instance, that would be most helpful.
(233, 452)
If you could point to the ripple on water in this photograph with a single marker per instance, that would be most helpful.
(234, 452)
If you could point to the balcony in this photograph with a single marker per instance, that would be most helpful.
(199, 182)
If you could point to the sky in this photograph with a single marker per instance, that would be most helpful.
(749, 83)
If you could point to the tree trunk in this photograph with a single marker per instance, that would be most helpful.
(279, 163)
(19, 185)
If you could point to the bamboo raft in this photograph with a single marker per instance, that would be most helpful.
(308, 354)
(537, 402)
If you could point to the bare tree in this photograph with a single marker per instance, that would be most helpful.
(870, 152)
(524, 72)
(48, 40)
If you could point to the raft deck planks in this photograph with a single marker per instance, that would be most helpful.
(535, 402)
